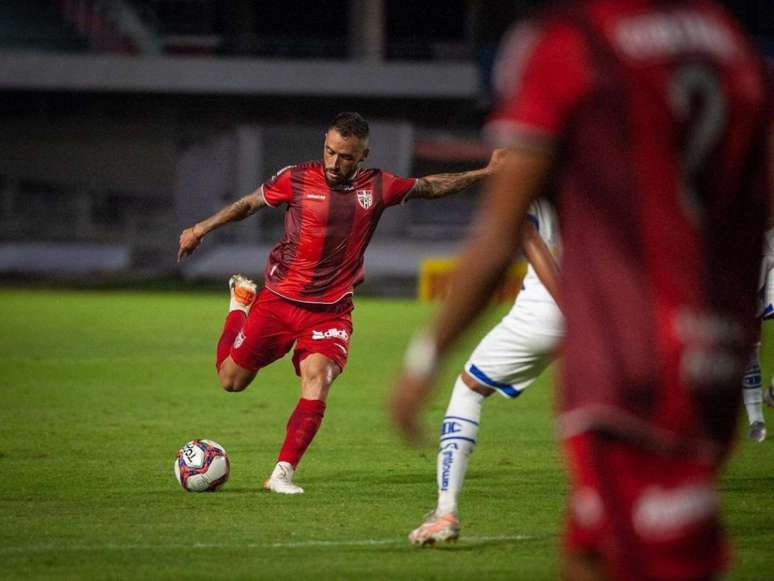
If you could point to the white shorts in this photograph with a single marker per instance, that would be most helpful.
(515, 352)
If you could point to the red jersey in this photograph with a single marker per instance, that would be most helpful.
(655, 111)
(327, 229)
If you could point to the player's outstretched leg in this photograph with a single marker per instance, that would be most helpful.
(753, 399)
(301, 429)
(243, 292)
(458, 439)
(317, 375)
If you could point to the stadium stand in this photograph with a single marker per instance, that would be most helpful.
(121, 118)
(37, 25)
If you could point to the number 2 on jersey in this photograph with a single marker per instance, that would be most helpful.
(698, 102)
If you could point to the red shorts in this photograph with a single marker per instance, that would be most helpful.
(648, 516)
(275, 323)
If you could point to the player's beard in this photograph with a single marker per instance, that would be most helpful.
(335, 178)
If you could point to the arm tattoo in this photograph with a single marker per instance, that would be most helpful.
(444, 184)
(239, 210)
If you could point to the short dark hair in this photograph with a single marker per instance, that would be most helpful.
(350, 123)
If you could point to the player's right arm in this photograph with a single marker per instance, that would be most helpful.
(541, 259)
(191, 238)
(444, 184)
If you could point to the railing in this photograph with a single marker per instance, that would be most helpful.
(214, 27)
(111, 26)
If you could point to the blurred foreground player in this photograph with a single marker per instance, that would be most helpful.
(648, 120)
(507, 361)
(332, 209)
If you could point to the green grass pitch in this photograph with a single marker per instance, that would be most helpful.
(100, 389)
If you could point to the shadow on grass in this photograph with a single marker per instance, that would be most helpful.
(243, 490)
(462, 545)
(225, 491)
(745, 484)
(366, 476)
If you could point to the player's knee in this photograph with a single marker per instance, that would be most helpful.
(230, 382)
(474, 385)
(231, 385)
(316, 385)
(316, 382)
(318, 375)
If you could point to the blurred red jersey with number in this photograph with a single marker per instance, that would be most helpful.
(327, 229)
(656, 112)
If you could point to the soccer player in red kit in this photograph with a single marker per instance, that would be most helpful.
(648, 121)
(332, 209)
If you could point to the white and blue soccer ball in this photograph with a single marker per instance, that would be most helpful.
(202, 466)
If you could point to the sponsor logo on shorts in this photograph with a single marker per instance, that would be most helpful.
(660, 513)
(330, 334)
(239, 340)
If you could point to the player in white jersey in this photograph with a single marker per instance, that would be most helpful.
(752, 390)
(507, 360)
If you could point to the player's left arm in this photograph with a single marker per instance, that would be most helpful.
(539, 256)
(444, 184)
(485, 258)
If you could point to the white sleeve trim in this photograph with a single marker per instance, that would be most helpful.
(404, 199)
(272, 179)
(266, 201)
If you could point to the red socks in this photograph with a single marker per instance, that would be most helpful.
(231, 328)
(305, 419)
(302, 426)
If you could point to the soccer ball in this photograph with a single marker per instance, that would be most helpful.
(201, 465)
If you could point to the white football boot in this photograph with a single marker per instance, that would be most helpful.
(243, 293)
(281, 480)
(757, 432)
(436, 529)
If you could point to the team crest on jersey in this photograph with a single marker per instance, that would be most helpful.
(365, 198)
